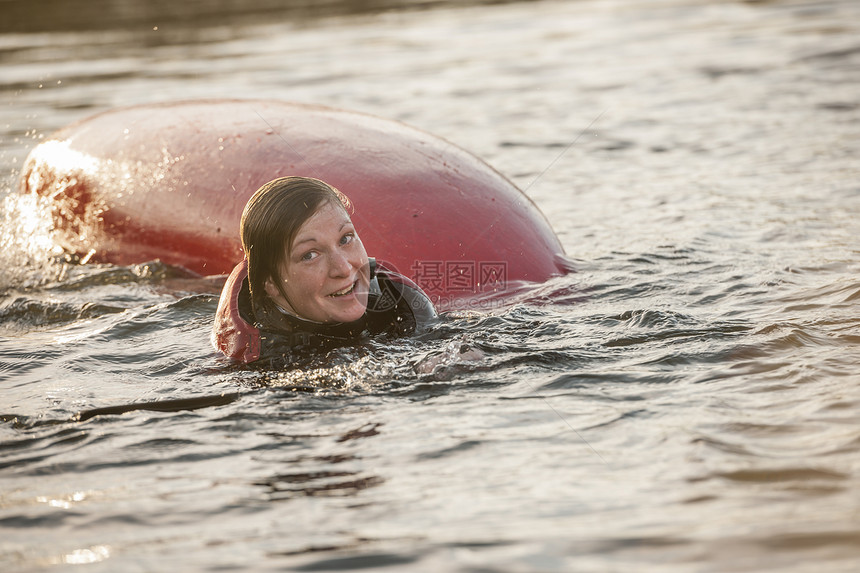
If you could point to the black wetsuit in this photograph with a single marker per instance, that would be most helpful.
(396, 307)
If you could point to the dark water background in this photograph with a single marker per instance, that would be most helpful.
(688, 400)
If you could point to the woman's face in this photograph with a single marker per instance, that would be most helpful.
(326, 275)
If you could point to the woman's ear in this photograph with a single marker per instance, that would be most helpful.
(277, 296)
(271, 289)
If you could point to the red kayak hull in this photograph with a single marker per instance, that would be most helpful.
(170, 181)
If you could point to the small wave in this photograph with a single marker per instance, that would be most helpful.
(650, 326)
(80, 277)
(23, 314)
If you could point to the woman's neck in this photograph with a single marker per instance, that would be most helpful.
(295, 316)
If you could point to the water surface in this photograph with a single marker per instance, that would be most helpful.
(686, 401)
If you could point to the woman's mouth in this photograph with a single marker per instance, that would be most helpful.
(344, 292)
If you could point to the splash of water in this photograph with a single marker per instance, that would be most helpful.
(29, 256)
(352, 375)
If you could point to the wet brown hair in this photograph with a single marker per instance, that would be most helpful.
(270, 221)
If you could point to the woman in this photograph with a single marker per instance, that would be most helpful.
(306, 281)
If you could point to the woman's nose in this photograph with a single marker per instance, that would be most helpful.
(340, 264)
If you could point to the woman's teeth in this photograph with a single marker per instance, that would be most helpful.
(345, 291)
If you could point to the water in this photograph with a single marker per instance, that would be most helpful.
(686, 401)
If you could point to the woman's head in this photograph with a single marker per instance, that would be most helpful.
(303, 252)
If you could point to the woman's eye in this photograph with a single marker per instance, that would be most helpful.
(309, 256)
(346, 239)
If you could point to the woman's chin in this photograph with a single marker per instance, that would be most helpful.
(350, 315)
(348, 311)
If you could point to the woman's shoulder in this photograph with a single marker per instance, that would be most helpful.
(398, 299)
(233, 332)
